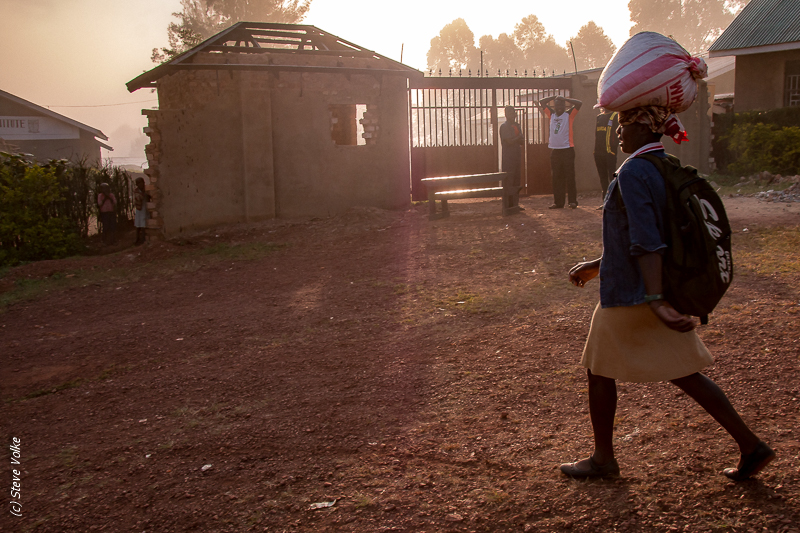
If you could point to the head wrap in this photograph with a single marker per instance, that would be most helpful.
(659, 119)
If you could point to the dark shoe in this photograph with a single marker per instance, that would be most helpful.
(573, 205)
(588, 468)
(752, 463)
(554, 206)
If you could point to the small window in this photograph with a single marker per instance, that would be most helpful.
(348, 125)
(792, 92)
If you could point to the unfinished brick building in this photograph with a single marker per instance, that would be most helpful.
(275, 120)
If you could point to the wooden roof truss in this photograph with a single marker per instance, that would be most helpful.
(245, 38)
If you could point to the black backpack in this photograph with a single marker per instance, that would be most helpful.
(697, 265)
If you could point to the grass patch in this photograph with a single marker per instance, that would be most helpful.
(768, 250)
(108, 372)
(241, 252)
(68, 457)
(29, 289)
(496, 497)
(105, 374)
(361, 501)
(181, 261)
(43, 392)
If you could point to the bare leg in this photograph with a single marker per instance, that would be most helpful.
(602, 410)
(755, 454)
(710, 397)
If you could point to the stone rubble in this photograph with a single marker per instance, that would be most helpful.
(788, 195)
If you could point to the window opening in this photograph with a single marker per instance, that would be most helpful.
(792, 92)
(351, 125)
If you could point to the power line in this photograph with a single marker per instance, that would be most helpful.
(103, 105)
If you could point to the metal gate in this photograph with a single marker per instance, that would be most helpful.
(454, 127)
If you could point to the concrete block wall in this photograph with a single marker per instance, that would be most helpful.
(316, 177)
(371, 123)
(586, 178)
(234, 146)
(152, 150)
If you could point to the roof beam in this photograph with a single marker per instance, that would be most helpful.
(334, 53)
(300, 68)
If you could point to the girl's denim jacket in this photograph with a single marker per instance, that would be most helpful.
(633, 225)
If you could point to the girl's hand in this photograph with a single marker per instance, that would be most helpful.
(671, 317)
(583, 272)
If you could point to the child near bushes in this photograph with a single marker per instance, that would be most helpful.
(140, 200)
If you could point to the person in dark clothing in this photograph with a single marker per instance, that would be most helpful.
(606, 143)
(512, 140)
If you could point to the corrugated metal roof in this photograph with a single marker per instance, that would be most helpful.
(762, 23)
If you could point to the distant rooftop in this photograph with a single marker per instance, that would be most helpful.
(762, 26)
(52, 114)
(718, 66)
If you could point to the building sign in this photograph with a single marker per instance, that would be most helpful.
(36, 129)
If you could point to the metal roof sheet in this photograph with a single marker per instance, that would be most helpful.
(762, 23)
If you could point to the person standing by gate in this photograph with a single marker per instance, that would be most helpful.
(512, 139)
(606, 143)
(562, 158)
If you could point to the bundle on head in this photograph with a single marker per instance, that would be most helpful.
(657, 76)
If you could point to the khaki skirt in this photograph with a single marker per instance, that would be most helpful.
(632, 344)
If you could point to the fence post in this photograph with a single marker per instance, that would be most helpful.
(495, 137)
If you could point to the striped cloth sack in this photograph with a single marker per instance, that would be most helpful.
(650, 69)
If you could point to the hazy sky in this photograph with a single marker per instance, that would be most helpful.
(75, 56)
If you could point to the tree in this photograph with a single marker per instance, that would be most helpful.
(454, 48)
(286, 11)
(529, 32)
(541, 52)
(593, 48)
(692, 23)
(500, 54)
(200, 19)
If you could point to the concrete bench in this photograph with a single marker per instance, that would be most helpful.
(493, 185)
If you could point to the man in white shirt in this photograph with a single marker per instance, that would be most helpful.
(562, 158)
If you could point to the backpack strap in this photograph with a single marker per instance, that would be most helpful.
(618, 195)
(661, 162)
(658, 162)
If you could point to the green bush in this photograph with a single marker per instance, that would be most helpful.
(746, 143)
(45, 210)
(30, 228)
(759, 147)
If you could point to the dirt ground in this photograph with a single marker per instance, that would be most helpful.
(408, 375)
